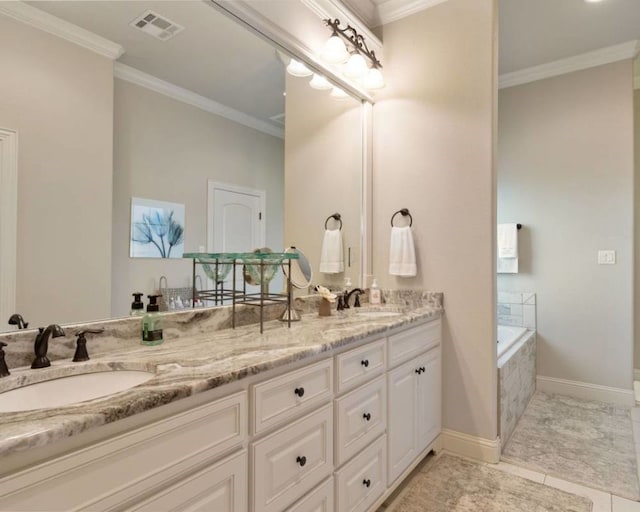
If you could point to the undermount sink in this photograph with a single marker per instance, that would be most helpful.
(70, 389)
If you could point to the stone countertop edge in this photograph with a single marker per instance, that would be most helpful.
(184, 367)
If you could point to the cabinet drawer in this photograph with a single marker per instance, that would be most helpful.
(407, 344)
(290, 395)
(363, 480)
(360, 418)
(359, 365)
(221, 487)
(318, 500)
(291, 461)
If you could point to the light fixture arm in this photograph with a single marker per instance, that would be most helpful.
(351, 35)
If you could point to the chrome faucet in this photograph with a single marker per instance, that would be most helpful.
(347, 296)
(42, 345)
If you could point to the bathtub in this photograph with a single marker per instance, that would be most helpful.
(508, 336)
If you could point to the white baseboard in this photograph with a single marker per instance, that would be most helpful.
(473, 447)
(636, 371)
(586, 391)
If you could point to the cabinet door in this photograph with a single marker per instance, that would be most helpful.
(221, 487)
(402, 424)
(429, 401)
(318, 500)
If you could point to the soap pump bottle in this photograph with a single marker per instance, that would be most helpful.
(152, 323)
(374, 292)
(137, 306)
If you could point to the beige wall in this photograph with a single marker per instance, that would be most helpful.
(167, 150)
(323, 174)
(59, 97)
(433, 140)
(565, 171)
(636, 205)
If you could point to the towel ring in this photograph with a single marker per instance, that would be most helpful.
(404, 212)
(337, 217)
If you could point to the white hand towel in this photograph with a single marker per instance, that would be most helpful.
(332, 255)
(507, 240)
(402, 253)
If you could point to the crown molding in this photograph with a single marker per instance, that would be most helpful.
(587, 60)
(135, 76)
(44, 21)
(393, 10)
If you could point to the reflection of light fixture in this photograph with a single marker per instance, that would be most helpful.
(319, 82)
(338, 93)
(297, 68)
(356, 67)
(335, 51)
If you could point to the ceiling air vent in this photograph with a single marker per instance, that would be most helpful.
(157, 26)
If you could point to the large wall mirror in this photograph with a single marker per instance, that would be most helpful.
(198, 112)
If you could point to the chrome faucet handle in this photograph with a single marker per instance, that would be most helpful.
(4, 371)
(81, 345)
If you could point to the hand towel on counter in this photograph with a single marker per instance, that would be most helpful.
(332, 255)
(402, 252)
(507, 240)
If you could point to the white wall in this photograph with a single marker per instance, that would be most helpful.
(433, 153)
(565, 171)
(636, 203)
(167, 150)
(59, 97)
(323, 174)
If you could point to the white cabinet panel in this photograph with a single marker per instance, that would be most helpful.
(363, 480)
(412, 342)
(402, 422)
(220, 488)
(291, 461)
(318, 500)
(429, 398)
(359, 365)
(291, 394)
(361, 416)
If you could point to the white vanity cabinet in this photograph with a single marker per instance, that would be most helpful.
(414, 388)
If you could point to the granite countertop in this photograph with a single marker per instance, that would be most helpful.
(191, 364)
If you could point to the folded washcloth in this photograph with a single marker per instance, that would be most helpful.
(507, 240)
(332, 255)
(402, 252)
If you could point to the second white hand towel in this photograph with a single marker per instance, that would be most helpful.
(507, 240)
(402, 252)
(332, 255)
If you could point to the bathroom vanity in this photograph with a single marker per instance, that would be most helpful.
(331, 414)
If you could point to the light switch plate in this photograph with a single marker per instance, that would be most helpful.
(606, 257)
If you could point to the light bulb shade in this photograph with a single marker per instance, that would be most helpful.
(356, 66)
(374, 79)
(319, 82)
(335, 51)
(338, 93)
(296, 68)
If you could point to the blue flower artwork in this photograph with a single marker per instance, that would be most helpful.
(157, 229)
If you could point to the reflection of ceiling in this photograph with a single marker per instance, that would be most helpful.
(213, 56)
(379, 12)
(535, 32)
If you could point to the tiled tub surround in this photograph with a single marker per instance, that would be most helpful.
(517, 382)
(200, 353)
(517, 309)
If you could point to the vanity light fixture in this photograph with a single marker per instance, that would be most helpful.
(338, 93)
(319, 82)
(356, 67)
(297, 68)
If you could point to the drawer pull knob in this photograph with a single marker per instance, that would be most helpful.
(422, 370)
(299, 392)
(367, 416)
(301, 460)
(366, 483)
(365, 363)
(419, 371)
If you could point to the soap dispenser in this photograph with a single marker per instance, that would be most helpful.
(374, 292)
(137, 306)
(152, 323)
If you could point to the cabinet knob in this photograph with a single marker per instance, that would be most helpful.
(365, 363)
(299, 392)
(419, 371)
(367, 416)
(422, 369)
(366, 483)
(301, 460)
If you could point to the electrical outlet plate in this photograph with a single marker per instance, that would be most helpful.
(607, 257)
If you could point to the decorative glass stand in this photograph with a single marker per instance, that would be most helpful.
(258, 268)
